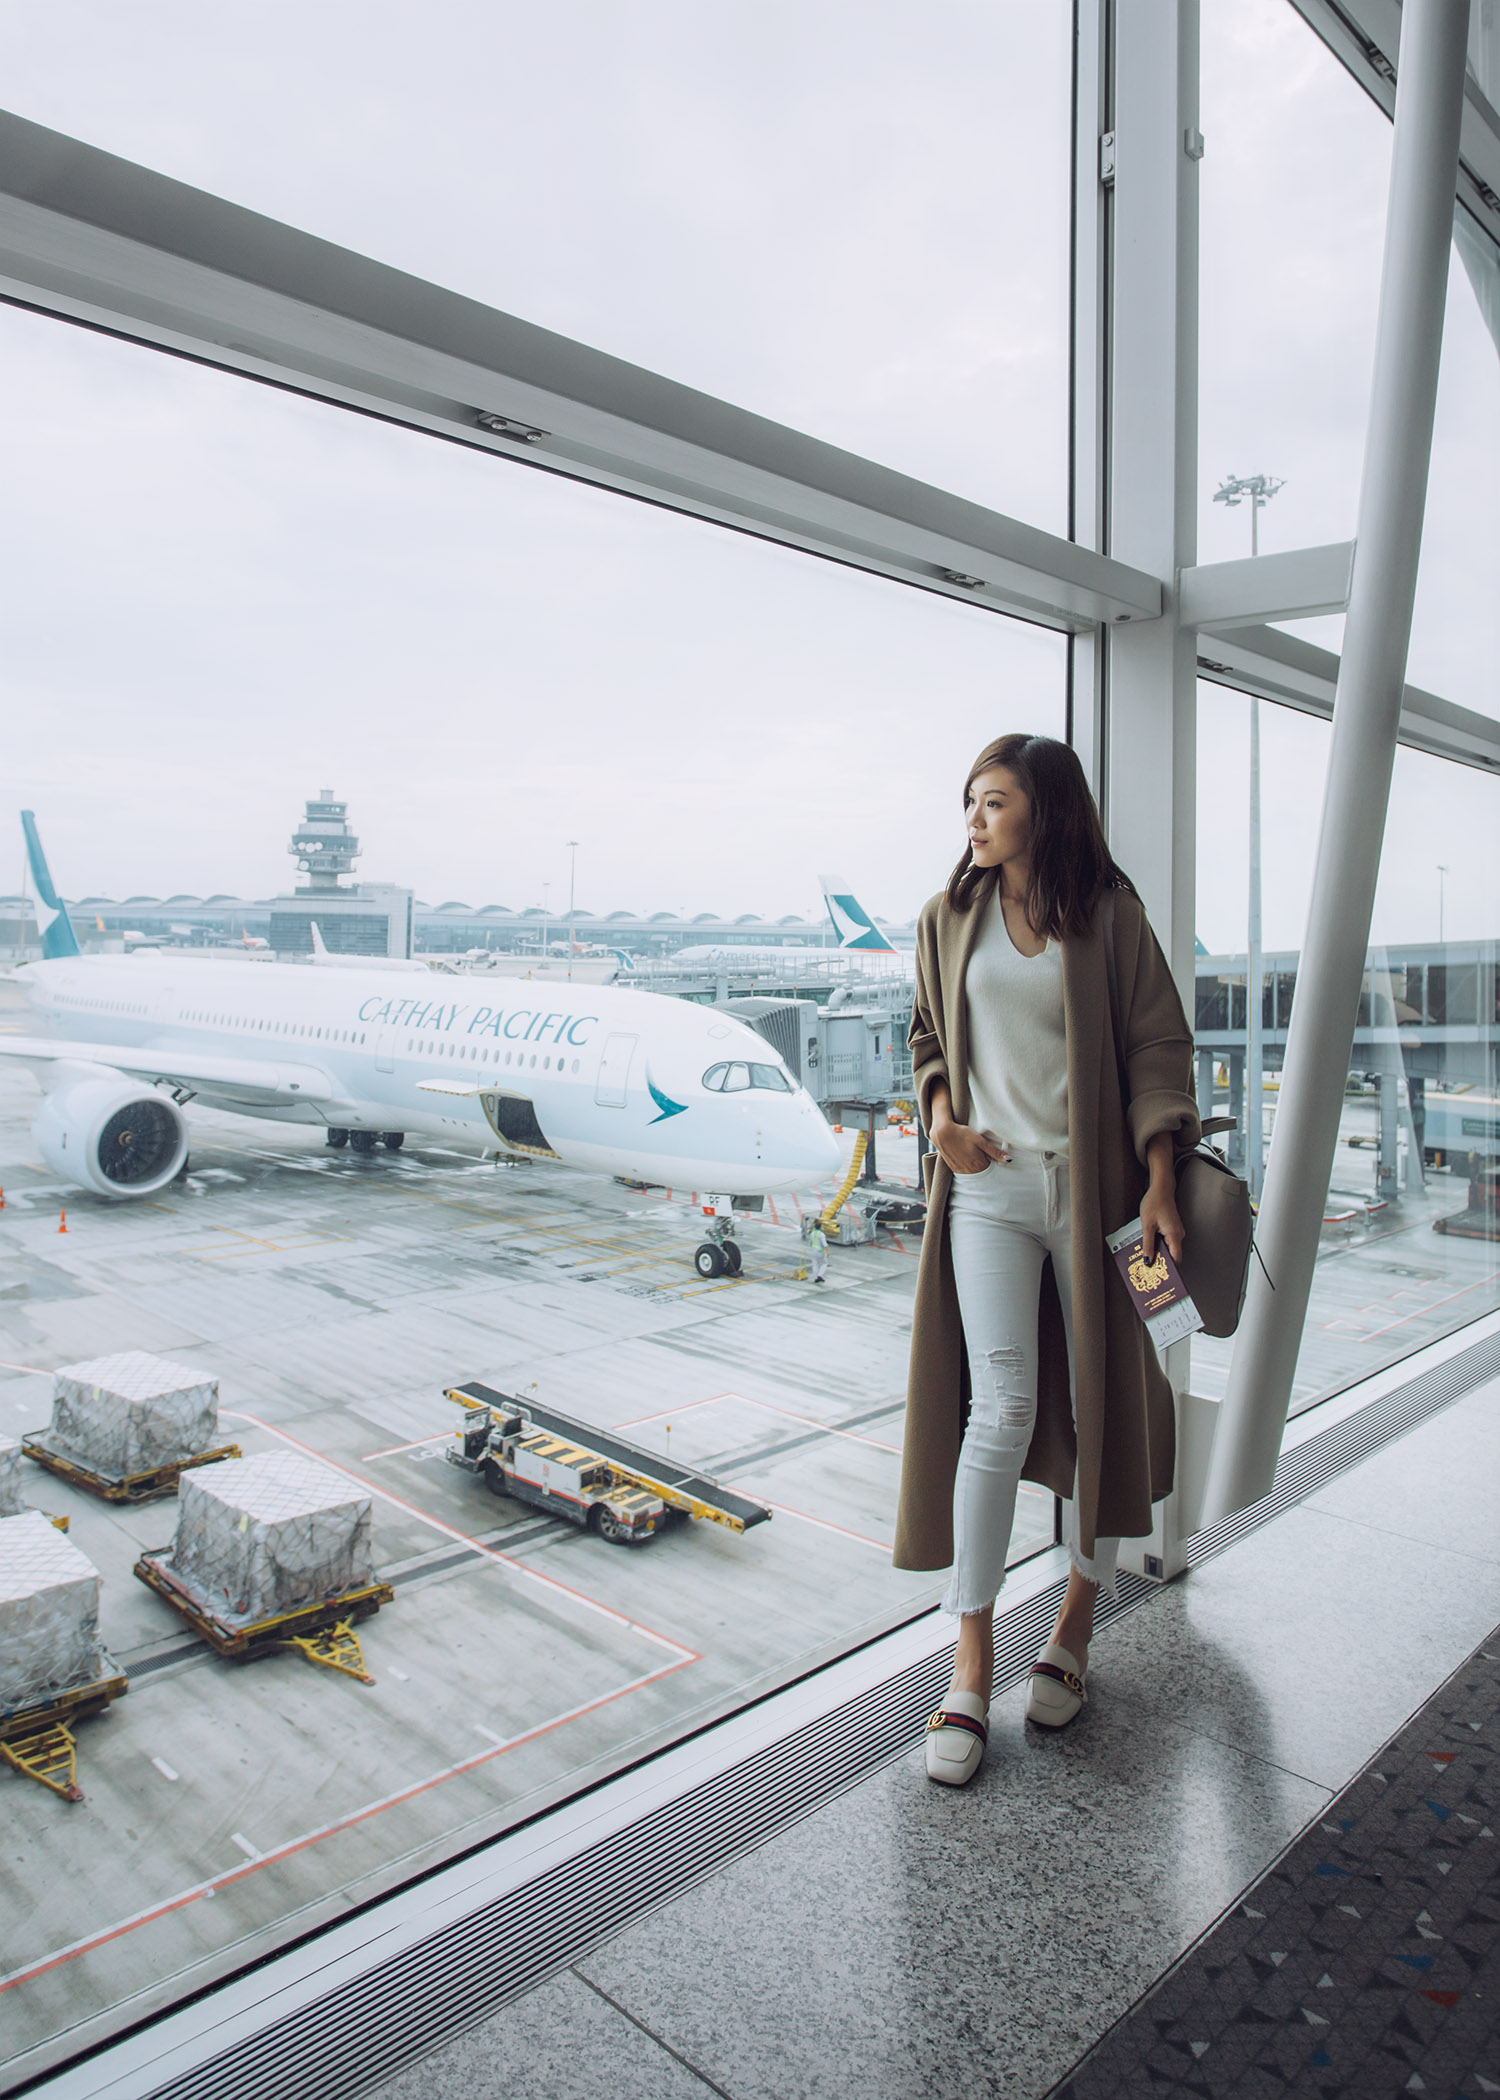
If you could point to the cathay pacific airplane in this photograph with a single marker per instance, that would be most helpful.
(611, 1080)
(858, 935)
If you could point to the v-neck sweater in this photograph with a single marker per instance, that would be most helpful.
(1018, 1041)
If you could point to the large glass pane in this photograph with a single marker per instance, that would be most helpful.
(1294, 184)
(851, 217)
(222, 599)
(1293, 188)
(1409, 1240)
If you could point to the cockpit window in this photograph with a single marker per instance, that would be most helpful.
(737, 1078)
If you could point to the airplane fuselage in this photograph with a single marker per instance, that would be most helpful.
(615, 1077)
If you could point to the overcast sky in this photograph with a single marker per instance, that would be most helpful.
(851, 217)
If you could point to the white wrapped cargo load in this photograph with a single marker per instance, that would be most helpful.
(126, 1414)
(11, 1501)
(257, 1537)
(49, 1614)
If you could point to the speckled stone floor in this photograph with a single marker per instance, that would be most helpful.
(910, 1942)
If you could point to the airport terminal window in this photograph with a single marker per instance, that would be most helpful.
(339, 1286)
(1406, 1252)
(846, 217)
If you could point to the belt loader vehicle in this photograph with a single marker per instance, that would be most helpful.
(590, 1478)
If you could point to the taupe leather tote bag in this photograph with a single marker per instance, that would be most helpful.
(1212, 1201)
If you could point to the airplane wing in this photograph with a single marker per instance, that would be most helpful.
(244, 1078)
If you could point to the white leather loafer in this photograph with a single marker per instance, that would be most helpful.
(956, 1736)
(1058, 1692)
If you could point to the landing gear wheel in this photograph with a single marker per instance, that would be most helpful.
(362, 1141)
(708, 1259)
(336, 1138)
(734, 1260)
(392, 1139)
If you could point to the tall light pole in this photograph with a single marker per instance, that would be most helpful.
(572, 925)
(1260, 488)
(1442, 868)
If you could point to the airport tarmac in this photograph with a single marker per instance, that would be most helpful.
(333, 1297)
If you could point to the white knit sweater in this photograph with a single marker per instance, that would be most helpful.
(1018, 1043)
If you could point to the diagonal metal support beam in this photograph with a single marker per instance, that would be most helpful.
(1292, 586)
(97, 240)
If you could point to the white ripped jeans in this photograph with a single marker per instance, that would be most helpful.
(1003, 1223)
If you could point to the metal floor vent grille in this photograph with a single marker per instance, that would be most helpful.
(408, 2005)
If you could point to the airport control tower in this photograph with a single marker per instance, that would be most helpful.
(325, 847)
(360, 918)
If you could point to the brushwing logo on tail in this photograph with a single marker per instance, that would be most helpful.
(53, 923)
(851, 922)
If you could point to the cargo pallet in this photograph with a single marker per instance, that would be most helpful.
(322, 1633)
(37, 1741)
(120, 1487)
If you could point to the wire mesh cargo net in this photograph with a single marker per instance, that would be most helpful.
(131, 1413)
(49, 1613)
(257, 1537)
(12, 1502)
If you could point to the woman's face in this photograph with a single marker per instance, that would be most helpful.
(998, 815)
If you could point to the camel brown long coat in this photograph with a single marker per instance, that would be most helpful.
(1122, 1458)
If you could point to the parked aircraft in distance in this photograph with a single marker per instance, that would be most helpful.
(857, 935)
(599, 1077)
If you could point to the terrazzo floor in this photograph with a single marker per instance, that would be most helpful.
(909, 1942)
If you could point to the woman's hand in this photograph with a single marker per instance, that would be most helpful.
(1159, 1213)
(966, 1151)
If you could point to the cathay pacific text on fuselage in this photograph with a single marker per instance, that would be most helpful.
(524, 1024)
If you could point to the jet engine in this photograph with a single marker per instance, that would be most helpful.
(112, 1135)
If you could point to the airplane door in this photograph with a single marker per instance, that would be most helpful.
(385, 1053)
(612, 1086)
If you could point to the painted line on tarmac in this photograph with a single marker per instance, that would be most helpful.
(201, 1891)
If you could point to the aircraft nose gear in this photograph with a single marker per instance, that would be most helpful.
(719, 1253)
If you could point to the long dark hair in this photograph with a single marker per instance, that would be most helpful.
(1071, 866)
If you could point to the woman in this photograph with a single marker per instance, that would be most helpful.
(1028, 1359)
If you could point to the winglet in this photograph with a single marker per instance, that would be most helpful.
(56, 928)
(851, 922)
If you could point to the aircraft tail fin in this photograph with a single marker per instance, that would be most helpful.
(855, 928)
(53, 923)
(319, 950)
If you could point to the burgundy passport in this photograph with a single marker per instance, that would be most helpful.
(1156, 1288)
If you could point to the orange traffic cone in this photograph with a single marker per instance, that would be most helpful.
(62, 1221)
(2, 1199)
